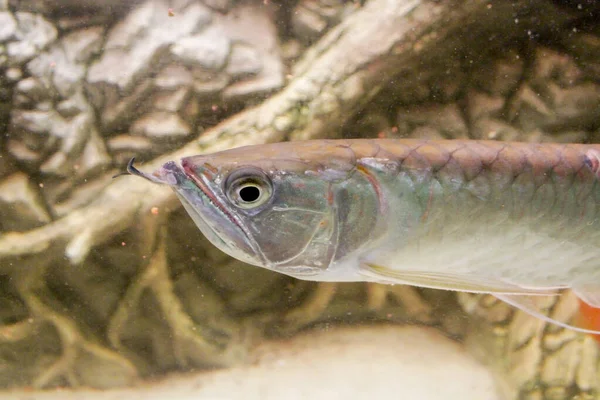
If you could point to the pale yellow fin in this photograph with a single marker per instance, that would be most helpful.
(447, 281)
(526, 304)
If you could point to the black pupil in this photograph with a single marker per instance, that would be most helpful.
(249, 194)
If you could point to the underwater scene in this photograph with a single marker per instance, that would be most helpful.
(308, 199)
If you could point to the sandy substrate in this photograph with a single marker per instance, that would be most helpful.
(358, 363)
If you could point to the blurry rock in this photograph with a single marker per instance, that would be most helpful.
(30, 91)
(308, 25)
(208, 85)
(136, 44)
(312, 18)
(574, 107)
(52, 123)
(33, 34)
(75, 134)
(495, 129)
(171, 101)
(426, 133)
(446, 119)
(37, 130)
(551, 65)
(563, 137)
(13, 74)
(8, 26)
(556, 108)
(378, 362)
(68, 197)
(502, 76)
(7, 166)
(161, 126)
(219, 5)
(3, 56)
(191, 49)
(65, 145)
(173, 76)
(291, 50)
(208, 49)
(530, 109)
(94, 157)
(119, 82)
(21, 206)
(252, 27)
(585, 49)
(120, 110)
(244, 60)
(20, 152)
(124, 147)
(371, 123)
(482, 105)
(64, 65)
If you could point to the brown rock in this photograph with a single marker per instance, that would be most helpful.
(244, 60)
(173, 76)
(123, 147)
(171, 101)
(585, 48)
(209, 49)
(483, 105)
(8, 26)
(33, 34)
(21, 206)
(494, 129)
(551, 65)
(446, 119)
(137, 41)
(502, 76)
(161, 125)
(307, 24)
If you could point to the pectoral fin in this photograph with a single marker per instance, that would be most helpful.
(447, 281)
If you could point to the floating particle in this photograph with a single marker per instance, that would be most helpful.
(154, 210)
(171, 12)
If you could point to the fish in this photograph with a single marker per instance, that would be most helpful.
(511, 219)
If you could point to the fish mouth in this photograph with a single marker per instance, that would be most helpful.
(202, 178)
(202, 181)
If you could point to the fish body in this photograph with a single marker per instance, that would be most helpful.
(510, 219)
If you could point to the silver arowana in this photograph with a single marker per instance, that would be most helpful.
(510, 219)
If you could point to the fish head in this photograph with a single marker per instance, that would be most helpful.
(271, 210)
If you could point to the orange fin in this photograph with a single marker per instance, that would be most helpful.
(589, 307)
(589, 317)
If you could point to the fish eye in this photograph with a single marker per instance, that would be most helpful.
(248, 188)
